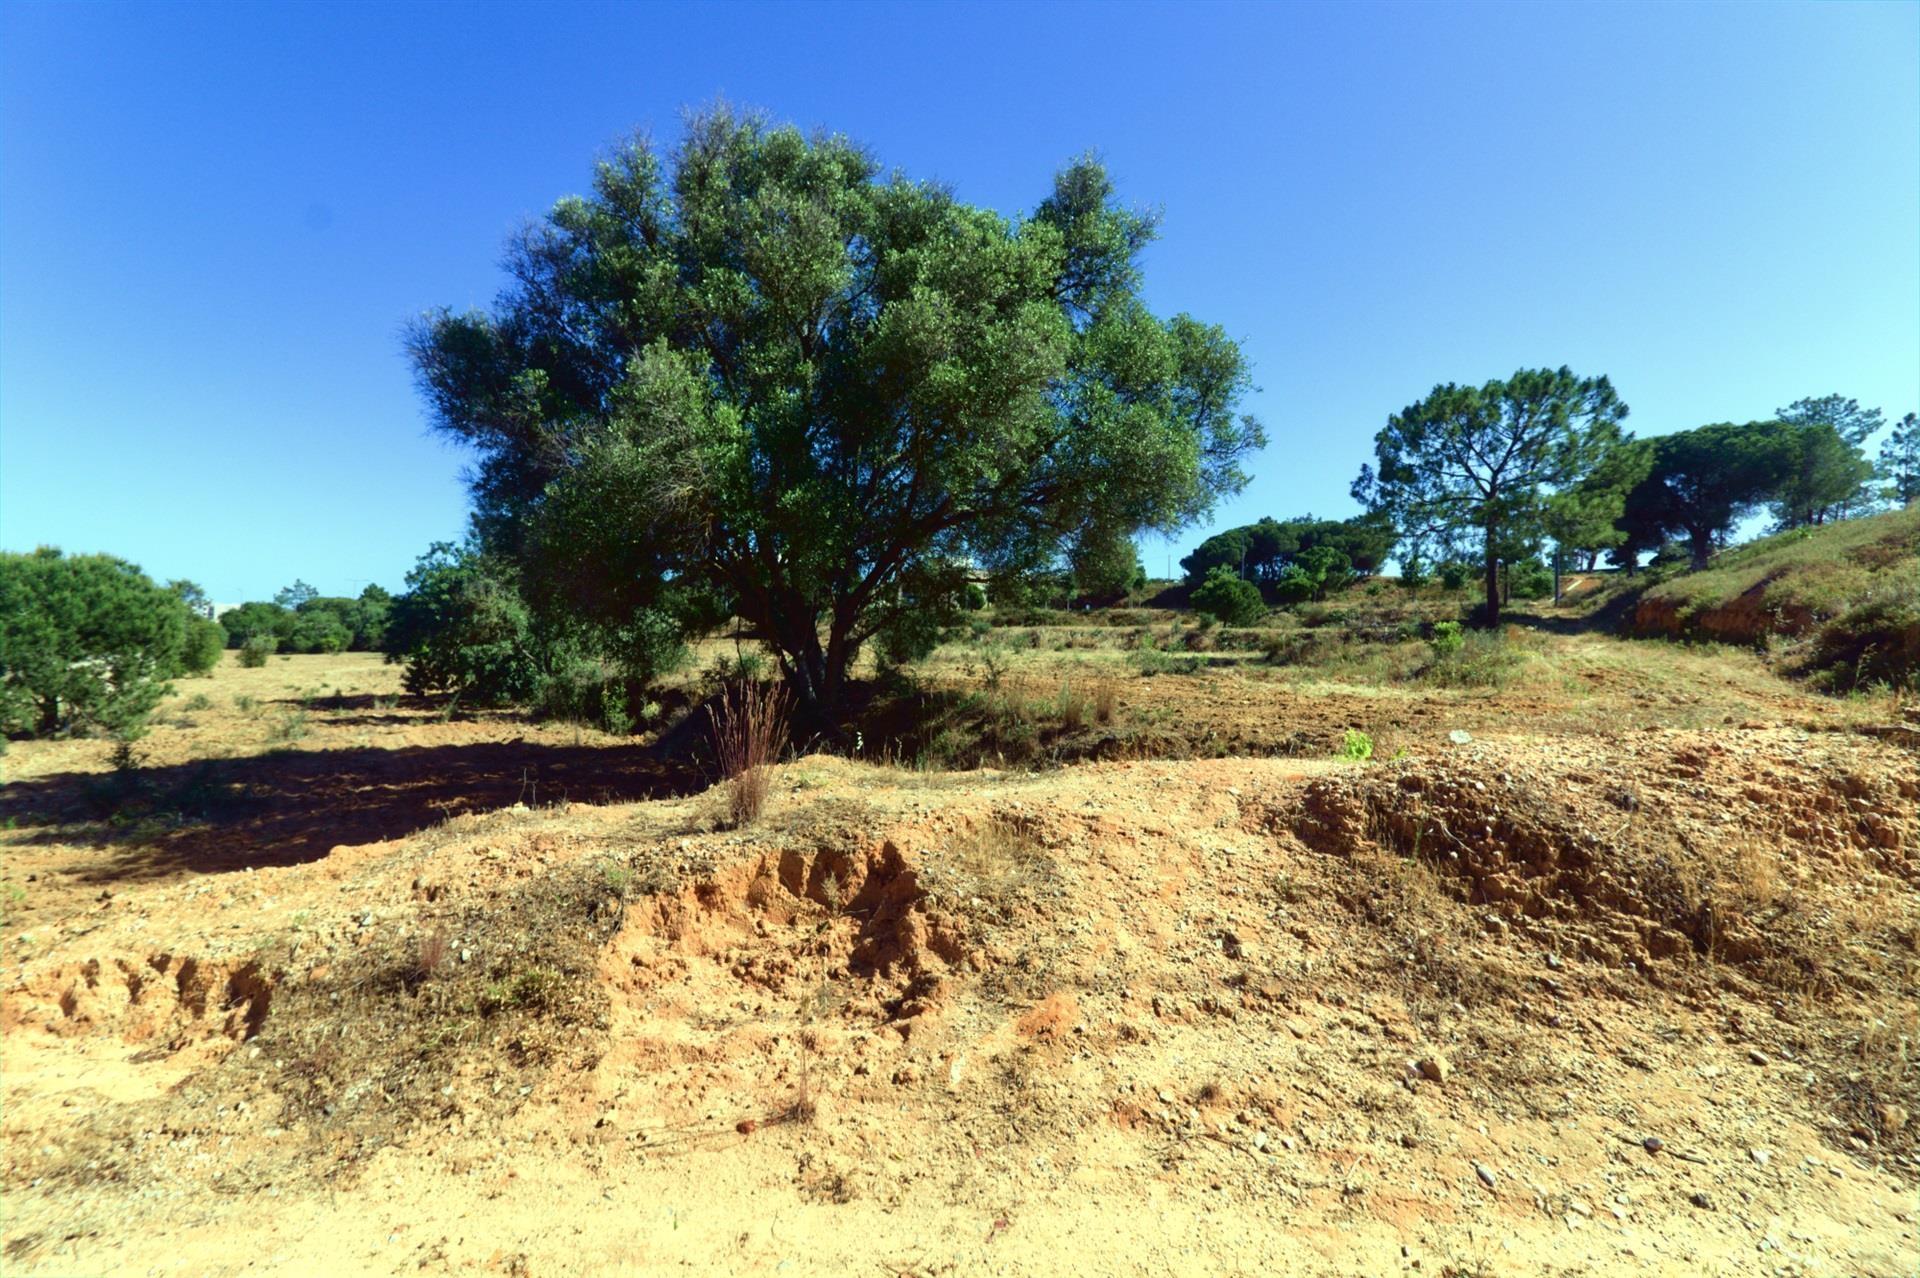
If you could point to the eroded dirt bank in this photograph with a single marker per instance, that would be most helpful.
(1227, 1016)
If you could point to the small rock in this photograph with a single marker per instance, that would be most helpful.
(1699, 1199)
(1486, 1176)
(1653, 1144)
(1460, 736)
(1893, 1117)
(1757, 1056)
(1761, 1157)
(1435, 1068)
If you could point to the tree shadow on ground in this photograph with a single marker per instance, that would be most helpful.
(293, 806)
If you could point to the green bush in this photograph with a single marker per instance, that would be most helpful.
(255, 651)
(205, 641)
(250, 619)
(1227, 598)
(86, 641)
(1294, 585)
(1356, 746)
(319, 630)
(974, 598)
(461, 627)
(1529, 579)
(1447, 639)
(1454, 575)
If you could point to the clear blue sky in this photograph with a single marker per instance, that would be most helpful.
(214, 220)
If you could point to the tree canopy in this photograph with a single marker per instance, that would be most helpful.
(1264, 550)
(1484, 462)
(86, 641)
(1704, 481)
(758, 375)
(1899, 466)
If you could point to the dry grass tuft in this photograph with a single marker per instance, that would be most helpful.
(749, 729)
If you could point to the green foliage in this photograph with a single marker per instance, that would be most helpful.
(250, 619)
(1701, 483)
(363, 619)
(1448, 638)
(319, 631)
(1356, 746)
(758, 376)
(1485, 461)
(292, 597)
(1852, 423)
(1899, 466)
(1583, 519)
(974, 598)
(86, 641)
(462, 628)
(255, 651)
(1263, 551)
(1454, 575)
(1826, 476)
(1481, 659)
(1529, 579)
(1104, 566)
(1414, 572)
(204, 642)
(1228, 599)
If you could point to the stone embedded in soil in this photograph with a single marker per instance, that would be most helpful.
(1435, 1068)
(1485, 1175)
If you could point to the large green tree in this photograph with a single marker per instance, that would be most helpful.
(1830, 475)
(1262, 551)
(1484, 462)
(1704, 481)
(86, 641)
(760, 372)
(1899, 466)
(1583, 519)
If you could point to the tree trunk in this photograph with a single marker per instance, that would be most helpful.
(1493, 583)
(1701, 543)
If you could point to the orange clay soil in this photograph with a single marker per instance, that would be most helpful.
(1569, 1003)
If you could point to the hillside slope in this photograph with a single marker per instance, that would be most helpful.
(1845, 599)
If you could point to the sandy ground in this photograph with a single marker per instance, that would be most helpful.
(1242, 1015)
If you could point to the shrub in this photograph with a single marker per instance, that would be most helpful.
(250, 619)
(255, 651)
(974, 597)
(319, 631)
(85, 641)
(1356, 746)
(1484, 660)
(1529, 579)
(461, 627)
(1294, 585)
(1229, 599)
(1454, 575)
(205, 641)
(1447, 639)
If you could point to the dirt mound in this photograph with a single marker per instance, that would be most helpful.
(1702, 849)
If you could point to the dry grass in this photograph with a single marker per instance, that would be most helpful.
(749, 729)
(993, 862)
